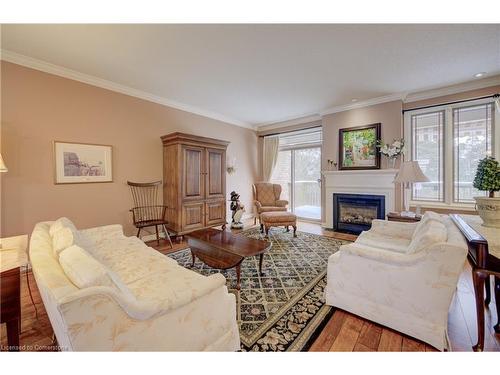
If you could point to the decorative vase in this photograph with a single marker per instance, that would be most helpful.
(489, 211)
(392, 163)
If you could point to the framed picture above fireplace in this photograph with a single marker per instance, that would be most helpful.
(358, 147)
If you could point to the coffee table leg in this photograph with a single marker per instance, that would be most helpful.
(238, 277)
(295, 231)
(261, 260)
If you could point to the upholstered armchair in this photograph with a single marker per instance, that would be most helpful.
(267, 198)
(401, 275)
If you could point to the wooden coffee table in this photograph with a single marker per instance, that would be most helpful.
(223, 250)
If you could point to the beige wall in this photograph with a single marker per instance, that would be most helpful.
(38, 108)
(388, 114)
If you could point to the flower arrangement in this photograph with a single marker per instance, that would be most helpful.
(392, 151)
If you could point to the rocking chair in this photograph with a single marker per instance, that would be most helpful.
(147, 212)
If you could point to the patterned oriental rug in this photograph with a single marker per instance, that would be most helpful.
(284, 309)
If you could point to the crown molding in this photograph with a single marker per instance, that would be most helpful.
(453, 89)
(288, 122)
(363, 103)
(50, 68)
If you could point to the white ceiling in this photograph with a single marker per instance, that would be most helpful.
(258, 74)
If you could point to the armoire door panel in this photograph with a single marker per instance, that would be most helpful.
(215, 212)
(216, 173)
(192, 173)
(193, 216)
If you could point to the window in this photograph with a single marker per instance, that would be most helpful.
(472, 128)
(298, 171)
(448, 142)
(429, 154)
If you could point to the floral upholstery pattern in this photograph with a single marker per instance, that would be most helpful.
(152, 296)
(409, 292)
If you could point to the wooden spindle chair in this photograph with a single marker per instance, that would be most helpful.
(147, 212)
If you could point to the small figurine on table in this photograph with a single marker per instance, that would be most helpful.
(238, 210)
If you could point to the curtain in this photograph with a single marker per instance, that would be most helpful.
(497, 104)
(270, 156)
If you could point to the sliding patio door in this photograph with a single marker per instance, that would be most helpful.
(306, 183)
(298, 171)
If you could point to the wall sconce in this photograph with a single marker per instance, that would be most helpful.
(231, 165)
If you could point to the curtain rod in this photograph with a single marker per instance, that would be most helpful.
(290, 131)
(455, 102)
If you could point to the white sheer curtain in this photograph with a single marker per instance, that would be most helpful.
(270, 156)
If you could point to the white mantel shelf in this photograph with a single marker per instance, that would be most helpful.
(369, 181)
(363, 172)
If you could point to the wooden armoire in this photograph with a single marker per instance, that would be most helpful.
(194, 182)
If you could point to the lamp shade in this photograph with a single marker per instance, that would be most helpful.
(3, 167)
(410, 172)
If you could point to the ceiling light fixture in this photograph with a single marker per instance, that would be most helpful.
(479, 75)
(354, 100)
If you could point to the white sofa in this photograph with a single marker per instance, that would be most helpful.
(107, 292)
(401, 275)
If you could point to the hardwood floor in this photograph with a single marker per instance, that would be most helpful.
(343, 332)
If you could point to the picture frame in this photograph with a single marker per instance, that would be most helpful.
(358, 147)
(82, 163)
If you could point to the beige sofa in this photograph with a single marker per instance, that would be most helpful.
(401, 275)
(107, 292)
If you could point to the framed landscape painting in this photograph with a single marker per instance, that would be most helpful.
(77, 163)
(358, 147)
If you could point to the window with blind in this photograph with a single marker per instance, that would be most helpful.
(448, 142)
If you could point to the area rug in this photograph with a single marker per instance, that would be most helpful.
(284, 309)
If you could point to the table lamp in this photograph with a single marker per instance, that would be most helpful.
(408, 174)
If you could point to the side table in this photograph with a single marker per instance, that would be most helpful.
(13, 256)
(396, 216)
(484, 257)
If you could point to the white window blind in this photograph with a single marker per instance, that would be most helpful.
(448, 141)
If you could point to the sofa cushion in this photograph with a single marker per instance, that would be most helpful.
(82, 269)
(175, 287)
(271, 209)
(380, 241)
(430, 233)
(62, 222)
(121, 255)
(428, 216)
(62, 239)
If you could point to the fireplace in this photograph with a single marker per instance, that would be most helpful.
(353, 213)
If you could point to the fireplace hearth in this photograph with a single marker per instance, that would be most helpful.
(353, 213)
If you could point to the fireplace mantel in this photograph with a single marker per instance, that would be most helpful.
(379, 181)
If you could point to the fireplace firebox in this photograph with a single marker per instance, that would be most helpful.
(353, 213)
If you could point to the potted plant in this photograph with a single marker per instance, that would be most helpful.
(488, 179)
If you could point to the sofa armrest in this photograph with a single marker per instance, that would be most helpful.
(281, 203)
(114, 230)
(393, 228)
(257, 204)
(383, 256)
